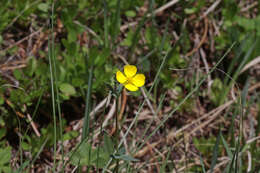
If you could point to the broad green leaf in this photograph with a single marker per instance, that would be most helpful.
(5, 156)
(67, 89)
(70, 135)
(80, 156)
(2, 132)
(43, 7)
(130, 13)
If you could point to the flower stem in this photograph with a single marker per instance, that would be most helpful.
(117, 133)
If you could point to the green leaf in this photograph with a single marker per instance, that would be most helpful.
(108, 144)
(230, 155)
(80, 156)
(99, 157)
(17, 74)
(67, 89)
(25, 146)
(1, 100)
(5, 156)
(128, 40)
(1, 39)
(2, 132)
(43, 7)
(70, 135)
(130, 13)
(190, 10)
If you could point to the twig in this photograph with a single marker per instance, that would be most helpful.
(156, 12)
(249, 156)
(33, 125)
(249, 6)
(148, 102)
(202, 40)
(203, 57)
(210, 9)
(22, 40)
(164, 7)
(250, 64)
(124, 99)
(142, 152)
(108, 117)
(13, 67)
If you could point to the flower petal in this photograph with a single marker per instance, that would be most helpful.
(120, 77)
(131, 87)
(138, 80)
(130, 70)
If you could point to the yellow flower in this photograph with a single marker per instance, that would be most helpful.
(129, 78)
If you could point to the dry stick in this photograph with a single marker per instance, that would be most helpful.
(22, 116)
(219, 165)
(124, 99)
(22, 40)
(184, 168)
(120, 115)
(33, 125)
(196, 121)
(249, 157)
(251, 63)
(108, 117)
(249, 7)
(210, 9)
(252, 140)
(142, 152)
(159, 10)
(202, 40)
(212, 117)
(13, 67)
(164, 7)
(125, 143)
(203, 57)
(96, 109)
(87, 29)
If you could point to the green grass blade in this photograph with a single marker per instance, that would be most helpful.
(215, 155)
(226, 146)
(202, 165)
(116, 23)
(105, 23)
(135, 38)
(51, 59)
(238, 52)
(163, 167)
(236, 74)
(233, 160)
(85, 132)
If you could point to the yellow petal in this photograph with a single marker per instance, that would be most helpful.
(138, 80)
(130, 70)
(120, 77)
(131, 87)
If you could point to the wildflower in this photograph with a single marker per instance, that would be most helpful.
(129, 78)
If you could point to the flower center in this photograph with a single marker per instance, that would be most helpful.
(129, 81)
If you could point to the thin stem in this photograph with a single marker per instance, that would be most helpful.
(117, 133)
(85, 132)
